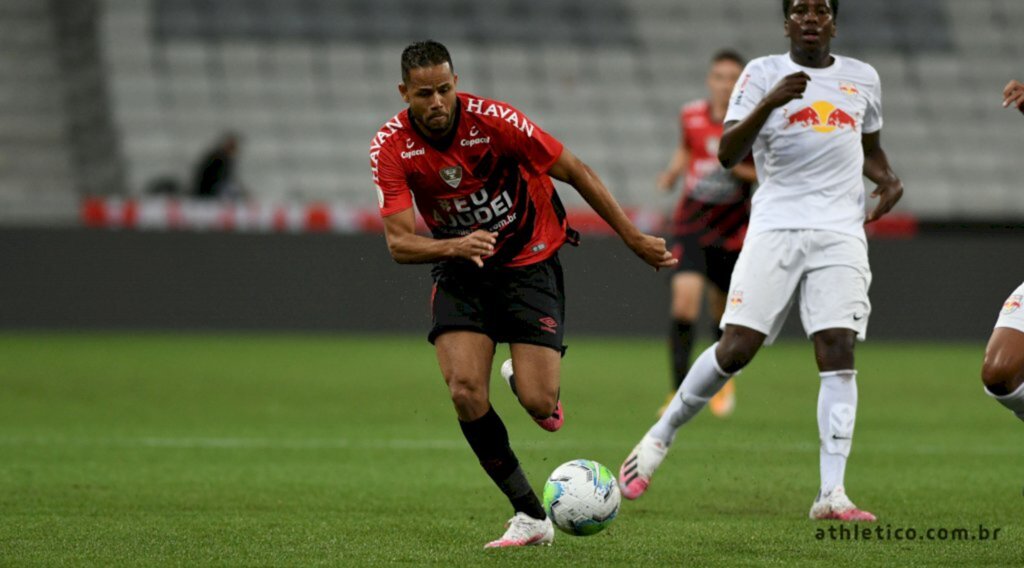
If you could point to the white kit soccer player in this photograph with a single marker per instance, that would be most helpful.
(814, 131)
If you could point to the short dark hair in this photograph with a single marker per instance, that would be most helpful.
(425, 53)
(787, 4)
(728, 55)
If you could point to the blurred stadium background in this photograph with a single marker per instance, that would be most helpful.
(106, 102)
(216, 447)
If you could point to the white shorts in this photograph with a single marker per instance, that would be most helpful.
(830, 269)
(1012, 315)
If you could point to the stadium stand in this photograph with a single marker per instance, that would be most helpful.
(307, 82)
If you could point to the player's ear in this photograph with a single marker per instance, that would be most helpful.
(455, 81)
(404, 91)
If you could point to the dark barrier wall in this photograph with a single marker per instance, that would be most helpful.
(930, 287)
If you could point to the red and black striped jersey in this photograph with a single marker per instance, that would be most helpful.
(715, 204)
(490, 173)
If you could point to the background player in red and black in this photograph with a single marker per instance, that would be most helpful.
(710, 220)
(478, 171)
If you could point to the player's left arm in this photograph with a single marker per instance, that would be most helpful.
(877, 169)
(571, 170)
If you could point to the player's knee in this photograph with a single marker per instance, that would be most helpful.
(465, 392)
(685, 309)
(833, 349)
(1000, 375)
(736, 351)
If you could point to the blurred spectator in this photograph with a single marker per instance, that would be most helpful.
(215, 174)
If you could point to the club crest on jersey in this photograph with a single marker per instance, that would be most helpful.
(736, 299)
(452, 175)
(1012, 304)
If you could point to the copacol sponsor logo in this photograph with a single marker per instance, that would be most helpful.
(469, 143)
(477, 209)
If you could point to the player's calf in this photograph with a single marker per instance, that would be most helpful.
(540, 401)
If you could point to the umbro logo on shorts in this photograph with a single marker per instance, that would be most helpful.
(549, 324)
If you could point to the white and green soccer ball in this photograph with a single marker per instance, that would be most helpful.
(581, 497)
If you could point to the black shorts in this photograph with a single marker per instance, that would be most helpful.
(713, 262)
(509, 305)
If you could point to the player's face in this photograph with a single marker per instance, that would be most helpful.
(430, 92)
(811, 25)
(721, 79)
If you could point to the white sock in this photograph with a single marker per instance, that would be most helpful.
(837, 412)
(702, 382)
(1014, 401)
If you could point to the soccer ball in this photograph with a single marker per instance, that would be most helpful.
(581, 497)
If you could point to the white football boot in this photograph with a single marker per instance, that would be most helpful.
(524, 530)
(635, 473)
(836, 506)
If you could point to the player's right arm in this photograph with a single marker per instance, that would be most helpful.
(739, 135)
(676, 168)
(407, 247)
(1013, 95)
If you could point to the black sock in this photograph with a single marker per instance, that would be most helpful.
(682, 345)
(489, 440)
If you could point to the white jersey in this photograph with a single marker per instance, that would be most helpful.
(808, 155)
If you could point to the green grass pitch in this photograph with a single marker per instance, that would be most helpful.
(167, 449)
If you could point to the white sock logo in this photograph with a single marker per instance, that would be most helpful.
(840, 420)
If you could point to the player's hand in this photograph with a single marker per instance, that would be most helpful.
(889, 194)
(475, 246)
(1013, 95)
(789, 88)
(652, 250)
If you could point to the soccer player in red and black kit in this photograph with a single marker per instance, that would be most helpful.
(478, 171)
(710, 220)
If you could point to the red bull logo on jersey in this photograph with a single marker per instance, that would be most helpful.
(822, 116)
(736, 299)
(1012, 304)
(848, 88)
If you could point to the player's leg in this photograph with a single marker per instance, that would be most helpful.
(687, 289)
(531, 318)
(465, 358)
(835, 309)
(707, 376)
(763, 284)
(720, 266)
(535, 382)
(465, 353)
(1003, 369)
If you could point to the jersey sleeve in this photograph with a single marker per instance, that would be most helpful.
(873, 113)
(747, 93)
(534, 146)
(393, 193)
